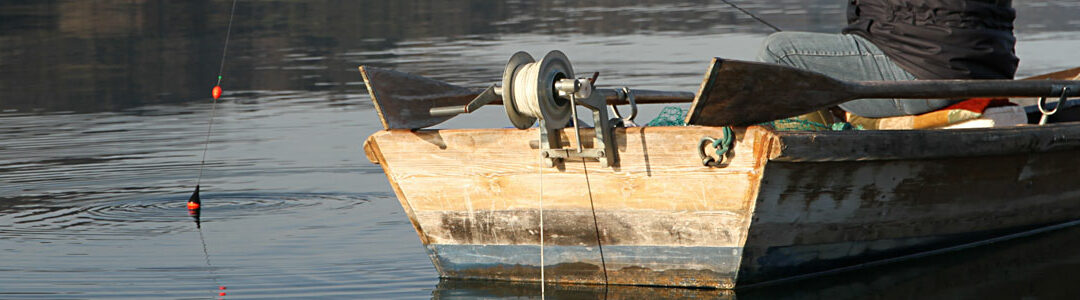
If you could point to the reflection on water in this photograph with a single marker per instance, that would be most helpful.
(1038, 267)
(66, 55)
(104, 104)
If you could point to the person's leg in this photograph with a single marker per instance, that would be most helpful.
(846, 57)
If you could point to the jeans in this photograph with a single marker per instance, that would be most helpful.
(846, 57)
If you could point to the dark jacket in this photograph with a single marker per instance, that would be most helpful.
(940, 39)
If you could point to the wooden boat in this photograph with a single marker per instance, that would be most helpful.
(782, 205)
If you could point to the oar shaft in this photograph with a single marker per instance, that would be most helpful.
(647, 96)
(613, 97)
(937, 89)
(640, 96)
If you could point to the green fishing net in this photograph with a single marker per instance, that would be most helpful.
(675, 116)
(669, 116)
(794, 124)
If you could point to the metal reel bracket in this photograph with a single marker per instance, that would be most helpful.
(554, 152)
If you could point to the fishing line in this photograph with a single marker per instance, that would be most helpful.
(541, 168)
(596, 225)
(210, 267)
(215, 93)
(753, 16)
(194, 204)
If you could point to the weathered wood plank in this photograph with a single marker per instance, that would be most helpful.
(817, 216)
(410, 97)
(924, 144)
(478, 191)
(501, 170)
(409, 212)
(563, 228)
(1068, 74)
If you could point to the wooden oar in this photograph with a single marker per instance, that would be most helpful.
(404, 101)
(743, 93)
(1068, 74)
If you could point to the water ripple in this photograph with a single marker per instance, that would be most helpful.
(153, 216)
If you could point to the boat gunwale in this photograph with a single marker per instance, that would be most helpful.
(871, 145)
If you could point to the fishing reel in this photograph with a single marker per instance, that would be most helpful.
(547, 91)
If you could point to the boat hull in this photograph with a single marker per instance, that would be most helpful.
(784, 205)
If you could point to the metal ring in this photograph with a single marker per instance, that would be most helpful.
(1061, 102)
(706, 160)
(629, 96)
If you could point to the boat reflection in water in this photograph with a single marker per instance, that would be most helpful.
(1043, 266)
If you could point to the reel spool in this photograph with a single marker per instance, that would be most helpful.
(529, 92)
(547, 91)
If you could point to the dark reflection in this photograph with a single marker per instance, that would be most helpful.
(88, 199)
(72, 55)
(1043, 266)
(477, 289)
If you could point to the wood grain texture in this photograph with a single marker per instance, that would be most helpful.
(404, 101)
(810, 146)
(409, 212)
(1067, 74)
(786, 204)
(564, 228)
(744, 93)
(499, 169)
(817, 216)
(370, 153)
(484, 186)
(475, 191)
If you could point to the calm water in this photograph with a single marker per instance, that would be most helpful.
(103, 111)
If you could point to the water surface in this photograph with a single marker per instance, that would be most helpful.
(104, 107)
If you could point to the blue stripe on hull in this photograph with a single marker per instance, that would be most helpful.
(641, 265)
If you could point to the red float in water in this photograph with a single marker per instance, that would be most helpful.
(221, 287)
(216, 92)
(222, 294)
(192, 205)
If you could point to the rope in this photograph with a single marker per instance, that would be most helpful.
(213, 106)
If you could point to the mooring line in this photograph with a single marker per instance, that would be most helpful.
(596, 224)
(753, 16)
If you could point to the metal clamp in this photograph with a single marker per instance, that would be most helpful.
(629, 96)
(1047, 113)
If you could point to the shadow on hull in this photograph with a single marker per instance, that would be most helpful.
(1043, 266)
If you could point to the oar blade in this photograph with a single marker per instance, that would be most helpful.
(404, 101)
(745, 93)
(1068, 74)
